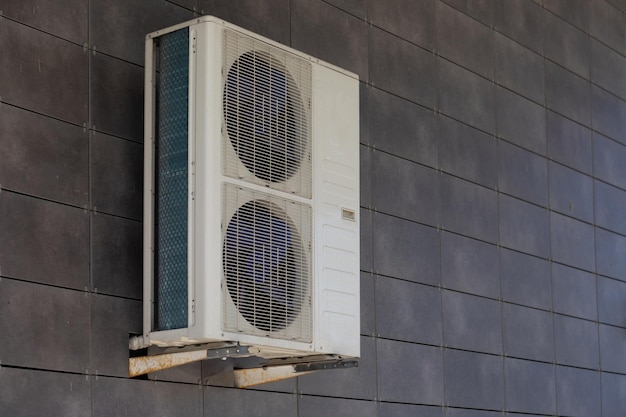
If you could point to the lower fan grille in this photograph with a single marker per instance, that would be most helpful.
(266, 286)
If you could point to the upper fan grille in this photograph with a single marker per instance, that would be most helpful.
(266, 105)
(266, 286)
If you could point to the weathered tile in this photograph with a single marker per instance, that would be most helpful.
(574, 292)
(116, 176)
(410, 20)
(471, 323)
(406, 250)
(468, 209)
(470, 266)
(57, 394)
(46, 158)
(403, 128)
(522, 174)
(119, 27)
(464, 41)
(524, 227)
(571, 193)
(407, 311)
(36, 315)
(413, 195)
(402, 68)
(409, 373)
(44, 241)
(43, 73)
(530, 386)
(466, 96)
(467, 152)
(474, 380)
(572, 242)
(520, 121)
(525, 279)
(528, 333)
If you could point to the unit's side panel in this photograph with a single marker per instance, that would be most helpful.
(336, 195)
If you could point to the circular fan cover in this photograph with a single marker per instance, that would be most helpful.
(263, 114)
(262, 264)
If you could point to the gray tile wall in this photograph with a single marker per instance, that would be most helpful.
(493, 186)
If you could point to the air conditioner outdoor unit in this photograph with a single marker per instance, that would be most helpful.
(251, 228)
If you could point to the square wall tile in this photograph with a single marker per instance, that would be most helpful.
(464, 41)
(610, 259)
(355, 7)
(410, 20)
(403, 128)
(609, 160)
(404, 189)
(34, 315)
(119, 27)
(467, 152)
(468, 209)
(571, 193)
(522, 174)
(609, 114)
(530, 386)
(474, 380)
(44, 241)
(307, 17)
(524, 227)
(407, 311)
(367, 254)
(368, 310)
(519, 69)
(117, 256)
(576, 342)
(116, 176)
(357, 383)
(406, 250)
(608, 68)
(578, 392)
(612, 301)
(472, 323)
(528, 333)
(316, 406)
(466, 96)
(569, 143)
(482, 10)
(270, 18)
(612, 349)
(609, 207)
(568, 94)
(402, 68)
(117, 97)
(520, 121)
(572, 242)
(408, 410)
(573, 11)
(65, 19)
(54, 153)
(525, 279)
(607, 23)
(365, 170)
(567, 45)
(522, 21)
(117, 396)
(409, 373)
(57, 394)
(43, 73)
(613, 394)
(574, 292)
(470, 266)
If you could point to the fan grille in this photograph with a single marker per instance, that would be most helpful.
(266, 104)
(266, 285)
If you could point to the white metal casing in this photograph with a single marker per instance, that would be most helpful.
(334, 263)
